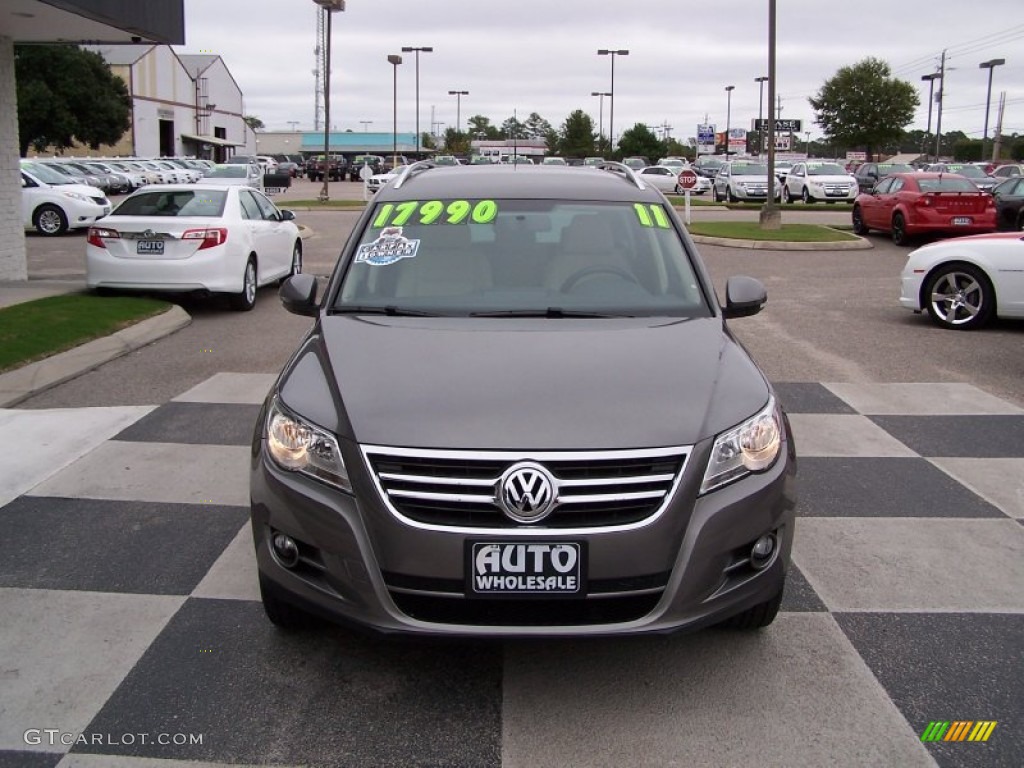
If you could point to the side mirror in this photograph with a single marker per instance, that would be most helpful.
(298, 294)
(287, 215)
(744, 296)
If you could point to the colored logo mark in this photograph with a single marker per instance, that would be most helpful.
(958, 730)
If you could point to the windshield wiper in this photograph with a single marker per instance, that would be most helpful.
(389, 310)
(549, 312)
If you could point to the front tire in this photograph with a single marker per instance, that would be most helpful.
(283, 614)
(806, 197)
(296, 261)
(786, 197)
(246, 300)
(50, 220)
(859, 227)
(959, 297)
(731, 196)
(899, 229)
(756, 617)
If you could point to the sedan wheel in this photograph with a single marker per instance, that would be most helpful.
(959, 296)
(50, 220)
(246, 300)
(296, 262)
(859, 228)
(899, 229)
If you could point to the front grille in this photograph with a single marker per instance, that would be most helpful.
(525, 613)
(459, 489)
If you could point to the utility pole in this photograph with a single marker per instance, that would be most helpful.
(997, 139)
(938, 98)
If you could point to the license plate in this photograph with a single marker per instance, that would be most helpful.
(503, 568)
(960, 221)
(149, 247)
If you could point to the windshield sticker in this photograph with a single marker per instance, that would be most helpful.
(651, 215)
(435, 212)
(389, 247)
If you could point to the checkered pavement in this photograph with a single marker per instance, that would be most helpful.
(132, 634)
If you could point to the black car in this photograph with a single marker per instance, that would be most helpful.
(1009, 197)
(869, 174)
(520, 412)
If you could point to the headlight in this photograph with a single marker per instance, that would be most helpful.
(750, 447)
(298, 446)
(78, 196)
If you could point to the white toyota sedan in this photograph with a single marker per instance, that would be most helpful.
(964, 282)
(666, 178)
(198, 238)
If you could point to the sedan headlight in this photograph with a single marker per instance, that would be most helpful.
(78, 196)
(750, 447)
(298, 446)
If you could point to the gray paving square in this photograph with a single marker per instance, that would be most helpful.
(249, 388)
(63, 653)
(894, 487)
(112, 546)
(29, 759)
(958, 436)
(999, 481)
(841, 435)
(950, 667)
(713, 698)
(234, 576)
(328, 697)
(115, 761)
(191, 474)
(809, 397)
(195, 423)
(930, 399)
(936, 565)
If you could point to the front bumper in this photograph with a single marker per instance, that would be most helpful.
(360, 564)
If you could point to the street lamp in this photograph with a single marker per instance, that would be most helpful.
(395, 60)
(412, 49)
(728, 116)
(329, 7)
(458, 108)
(931, 88)
(611, 115)
(990, 65)
(600, 119)
(366, 123)
(760, 109)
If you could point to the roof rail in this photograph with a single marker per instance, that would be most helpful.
(417, 167)
(625, 170)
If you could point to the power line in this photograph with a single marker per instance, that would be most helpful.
(961, 49)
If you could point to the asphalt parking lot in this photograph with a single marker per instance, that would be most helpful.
(128, 587)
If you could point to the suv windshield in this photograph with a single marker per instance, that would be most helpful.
(826, 169)
(46, 174)
(749, 169)
(521, 257)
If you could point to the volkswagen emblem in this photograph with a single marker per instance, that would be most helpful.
(526, 492)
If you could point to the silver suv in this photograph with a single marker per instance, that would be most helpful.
(520, 412)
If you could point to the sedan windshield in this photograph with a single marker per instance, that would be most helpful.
(970, 171)
(826, 169)
(205, 202)
(521, 258)
(46, 174)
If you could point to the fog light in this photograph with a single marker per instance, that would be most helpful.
(286, 549)
(762, 551)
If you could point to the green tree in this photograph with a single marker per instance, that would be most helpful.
(864, 106)
(513, 128)
(536, 126)
(456, 142)
(480, 127)
(640, 140)
(255, 123)
(68, 95)
(577, 135)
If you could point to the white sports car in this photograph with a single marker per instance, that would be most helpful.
(965, 281)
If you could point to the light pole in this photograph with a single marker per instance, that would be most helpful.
(728, 116)
(600, 118)
(990, 65)
(412, 49)
(458, 108)
(330, 7)
(366, 123)
(611, 114)
(394, 59)
(938, 118)
(770, 217)
(931, 88)
(760, 109)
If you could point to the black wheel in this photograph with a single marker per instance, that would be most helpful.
(283, 614)
(679, 190)
(296, 261)
(246, 300)
(714, 194)
(580, 274)
(756, 617)
(1020, 220)
(50, 220)
(786, 197)
(806, 197)
(732, 197)
(959, 296)
(899, 229)
(859, 227)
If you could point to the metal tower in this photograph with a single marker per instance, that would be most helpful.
(320, 72)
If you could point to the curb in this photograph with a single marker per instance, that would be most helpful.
(22, 383)
(860, 244)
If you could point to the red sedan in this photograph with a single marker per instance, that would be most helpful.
(909, 204)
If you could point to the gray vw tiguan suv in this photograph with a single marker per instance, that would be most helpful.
(520, 412)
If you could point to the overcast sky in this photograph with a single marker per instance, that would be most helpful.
(533, 56)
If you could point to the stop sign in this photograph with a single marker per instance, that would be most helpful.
(687, 178)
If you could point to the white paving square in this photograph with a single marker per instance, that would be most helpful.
(170, 472)
(922, 400)
(843, 435)
(998, 481)
(40, 443)
(63, 653)
(709, 699)
(913, 564)
(234, 576)
(243, 388)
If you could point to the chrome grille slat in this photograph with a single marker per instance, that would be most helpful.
(596, 490)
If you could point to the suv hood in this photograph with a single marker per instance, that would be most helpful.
(523, 383)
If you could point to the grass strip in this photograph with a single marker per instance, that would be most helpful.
(37, 329)
(751, 230)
